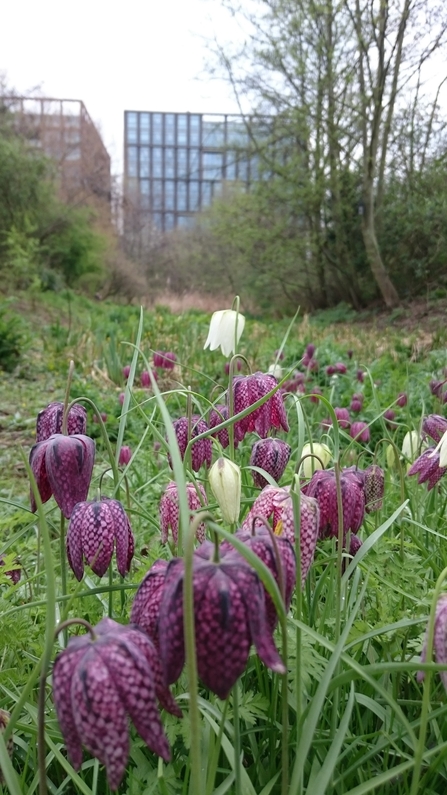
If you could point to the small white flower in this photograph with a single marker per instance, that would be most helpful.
(310, 465)
(225, 331)
(441, 448)
(225, 481)
(410, 445)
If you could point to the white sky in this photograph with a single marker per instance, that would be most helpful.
(115, 56)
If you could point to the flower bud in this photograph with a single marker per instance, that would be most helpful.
(310, 465)
(225, 482)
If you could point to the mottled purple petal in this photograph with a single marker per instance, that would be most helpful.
(63, 670)
(69, 464)
(171, 638)
(146, 605)
(39, 470)
(123, 535)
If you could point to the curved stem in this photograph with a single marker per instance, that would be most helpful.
(67, 408)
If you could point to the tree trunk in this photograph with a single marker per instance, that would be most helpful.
(386, 286)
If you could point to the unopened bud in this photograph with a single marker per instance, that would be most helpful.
(225, 481)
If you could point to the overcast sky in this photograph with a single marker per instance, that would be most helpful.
(115, 56)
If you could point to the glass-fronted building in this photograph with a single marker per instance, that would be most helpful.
(175, 163)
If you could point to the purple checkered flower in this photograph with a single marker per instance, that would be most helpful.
(434, 426)
(229, 615)
(360, 432)
(342, 417)
(124, 456)
(372, 480)
(95, 529)
(98, 683)
(272, 455)
(217, 415)
(428, 468)
(280, 561)
(439, 640)
(323, 488)
(436, 388)
(272, 414)
(165, 359)
(49, 421)
(356, 402)
(62, 466)
(402, 399)
(201, 451)
(146, 605)
(169, 510)
(276, 503)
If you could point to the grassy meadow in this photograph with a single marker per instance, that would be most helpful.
(350, 715)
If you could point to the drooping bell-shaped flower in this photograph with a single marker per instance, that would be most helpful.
(169, 510)
(201, 451)
(165, 359)
(247, 390)
(62, 466)
(402, 399)
(359, 431)
(96, 528)
(323, 487)
(49, 421)
(439, 640)
(356, 402)
(342, 417)
(272, 455)
(372, 480)
(146, 605)
(428, 467)
(229, 615)
(124, 456)
(225, 482)
(279, 556)
(276, 503)
(98, 683)
(225, 331)
(410, 445)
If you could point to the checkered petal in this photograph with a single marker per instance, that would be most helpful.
(171, 637)
(122, 532)
(69, 465)
(146, 605)
(49, 421)
(63, 671)
(38, 467)
(272, 455)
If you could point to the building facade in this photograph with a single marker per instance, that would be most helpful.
(176, 163)
(63, 130)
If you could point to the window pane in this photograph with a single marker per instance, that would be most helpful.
(169, 162)
(182, 163)
(157, 161)
(181, 196)
(242, 170)
(237, 133)
(145, 128)
(206, 193)
(144, 194)
(254, 168)
(170, 128)
(157, 194)
(144, 161)
(230, 170)
(157, 128)
(169, 221)
(169, 195)
(194, 130)
(182, 129)
(212, 165)
(131, 127)
(132, 161)
(213, 133)
(185, 221)
(194, 164)
(194, 196)
(157, 220)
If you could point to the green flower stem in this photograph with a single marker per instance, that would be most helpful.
(231, 408)
(419, 754)
(63, 557)
(67, 398)
(236, 742)
(236, 308)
